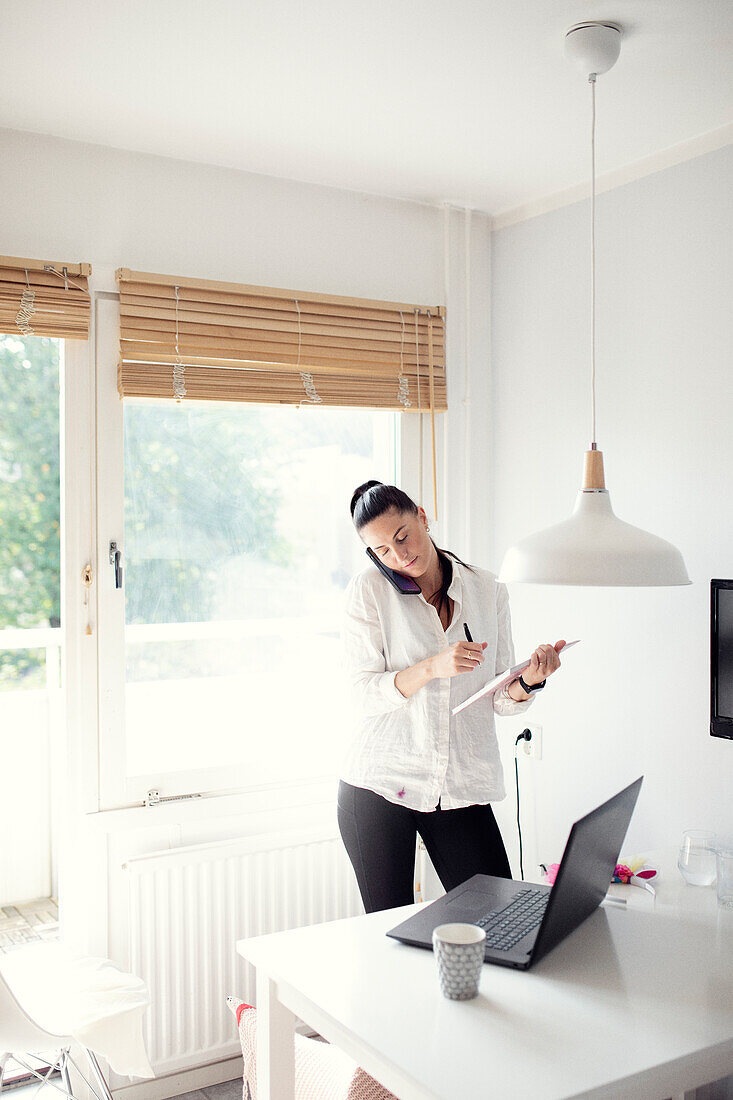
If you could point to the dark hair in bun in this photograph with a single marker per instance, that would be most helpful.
(373, 499)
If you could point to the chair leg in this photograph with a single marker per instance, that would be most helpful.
(62, 1064)
(99, 1075)
(64, 1071)
(42, 1076)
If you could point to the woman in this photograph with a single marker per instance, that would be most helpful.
(414, 767)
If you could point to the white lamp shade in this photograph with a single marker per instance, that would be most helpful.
(594, 548)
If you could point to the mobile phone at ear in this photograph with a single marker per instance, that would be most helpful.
(406, 585)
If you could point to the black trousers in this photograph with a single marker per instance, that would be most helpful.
(380, 839)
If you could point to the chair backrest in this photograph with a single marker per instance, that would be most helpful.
(18, 1032)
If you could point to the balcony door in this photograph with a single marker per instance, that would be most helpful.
(30, 629)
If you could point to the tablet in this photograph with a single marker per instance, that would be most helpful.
(502, 680)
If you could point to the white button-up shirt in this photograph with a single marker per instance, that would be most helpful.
(413, 751)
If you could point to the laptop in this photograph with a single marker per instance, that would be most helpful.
(524, 921)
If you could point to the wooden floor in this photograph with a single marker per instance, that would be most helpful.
(229, 1090)
(29, 922)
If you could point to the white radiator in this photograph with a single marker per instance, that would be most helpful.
(189, 906)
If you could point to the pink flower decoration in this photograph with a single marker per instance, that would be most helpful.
(622, 873)
(401, 793)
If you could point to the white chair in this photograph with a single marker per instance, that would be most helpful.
(52, 1003)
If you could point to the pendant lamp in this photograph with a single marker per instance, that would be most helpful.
(593, 547)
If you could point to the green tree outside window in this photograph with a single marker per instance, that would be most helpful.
(30, 520)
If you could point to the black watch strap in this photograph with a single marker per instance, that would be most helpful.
(529, 688)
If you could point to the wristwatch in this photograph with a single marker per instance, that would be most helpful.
(529, 688)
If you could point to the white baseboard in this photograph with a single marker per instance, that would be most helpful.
(187, 1080)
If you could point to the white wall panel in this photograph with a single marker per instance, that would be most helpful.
(633, 697)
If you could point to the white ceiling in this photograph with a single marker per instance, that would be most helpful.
(469, 102)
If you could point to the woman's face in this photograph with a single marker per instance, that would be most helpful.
(401, 541)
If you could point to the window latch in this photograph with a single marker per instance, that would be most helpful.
(155, 798)
(115, 559)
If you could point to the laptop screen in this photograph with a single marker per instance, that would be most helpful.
(587, 866)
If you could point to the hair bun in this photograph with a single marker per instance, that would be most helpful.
(359, 493)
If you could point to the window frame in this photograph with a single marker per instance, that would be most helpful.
(114, 790)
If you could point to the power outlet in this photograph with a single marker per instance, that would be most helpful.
(533, 748)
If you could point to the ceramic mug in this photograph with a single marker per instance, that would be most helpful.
(459, 955)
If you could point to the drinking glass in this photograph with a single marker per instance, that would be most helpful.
(696, 859)
(724, 856)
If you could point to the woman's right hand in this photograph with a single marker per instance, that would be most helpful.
(457, 658)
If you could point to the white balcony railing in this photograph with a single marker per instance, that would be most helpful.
(38, 637)
(30, 722)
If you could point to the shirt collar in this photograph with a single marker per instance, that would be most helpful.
(455, 589)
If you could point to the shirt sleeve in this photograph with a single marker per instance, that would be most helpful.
(373, 687)
(503, 702)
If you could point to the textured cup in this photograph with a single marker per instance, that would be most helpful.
(459, 956)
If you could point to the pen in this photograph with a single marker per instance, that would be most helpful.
(468, 633)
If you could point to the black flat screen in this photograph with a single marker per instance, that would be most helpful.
(721, 658)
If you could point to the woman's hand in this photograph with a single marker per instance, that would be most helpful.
(543, 662)
(457, 658)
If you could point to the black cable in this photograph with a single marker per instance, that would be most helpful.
(525, 735)
(519, 827)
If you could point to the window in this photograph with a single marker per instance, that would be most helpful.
(238, 546)
(30, 608)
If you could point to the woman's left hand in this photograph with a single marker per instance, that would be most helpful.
(544, 661)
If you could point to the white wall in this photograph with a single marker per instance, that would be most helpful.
(112, 208)
(116, 208)
(634, 697)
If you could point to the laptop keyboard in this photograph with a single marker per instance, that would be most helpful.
(506, 927)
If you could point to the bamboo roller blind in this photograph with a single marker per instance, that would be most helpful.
(41, 298)
(230, 342)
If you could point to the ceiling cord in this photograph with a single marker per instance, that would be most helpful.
(592, 82)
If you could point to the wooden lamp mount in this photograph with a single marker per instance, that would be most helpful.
(593, 479)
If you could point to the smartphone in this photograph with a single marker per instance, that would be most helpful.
(406, 585)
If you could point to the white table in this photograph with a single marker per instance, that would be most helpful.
(638, 1002)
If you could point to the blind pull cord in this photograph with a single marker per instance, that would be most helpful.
(419, 414)
(179, 369)
(403, 382)
(311, 393)
(27, 309)
(432, 415)
(64, 274)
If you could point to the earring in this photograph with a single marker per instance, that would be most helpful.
(427, 527)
